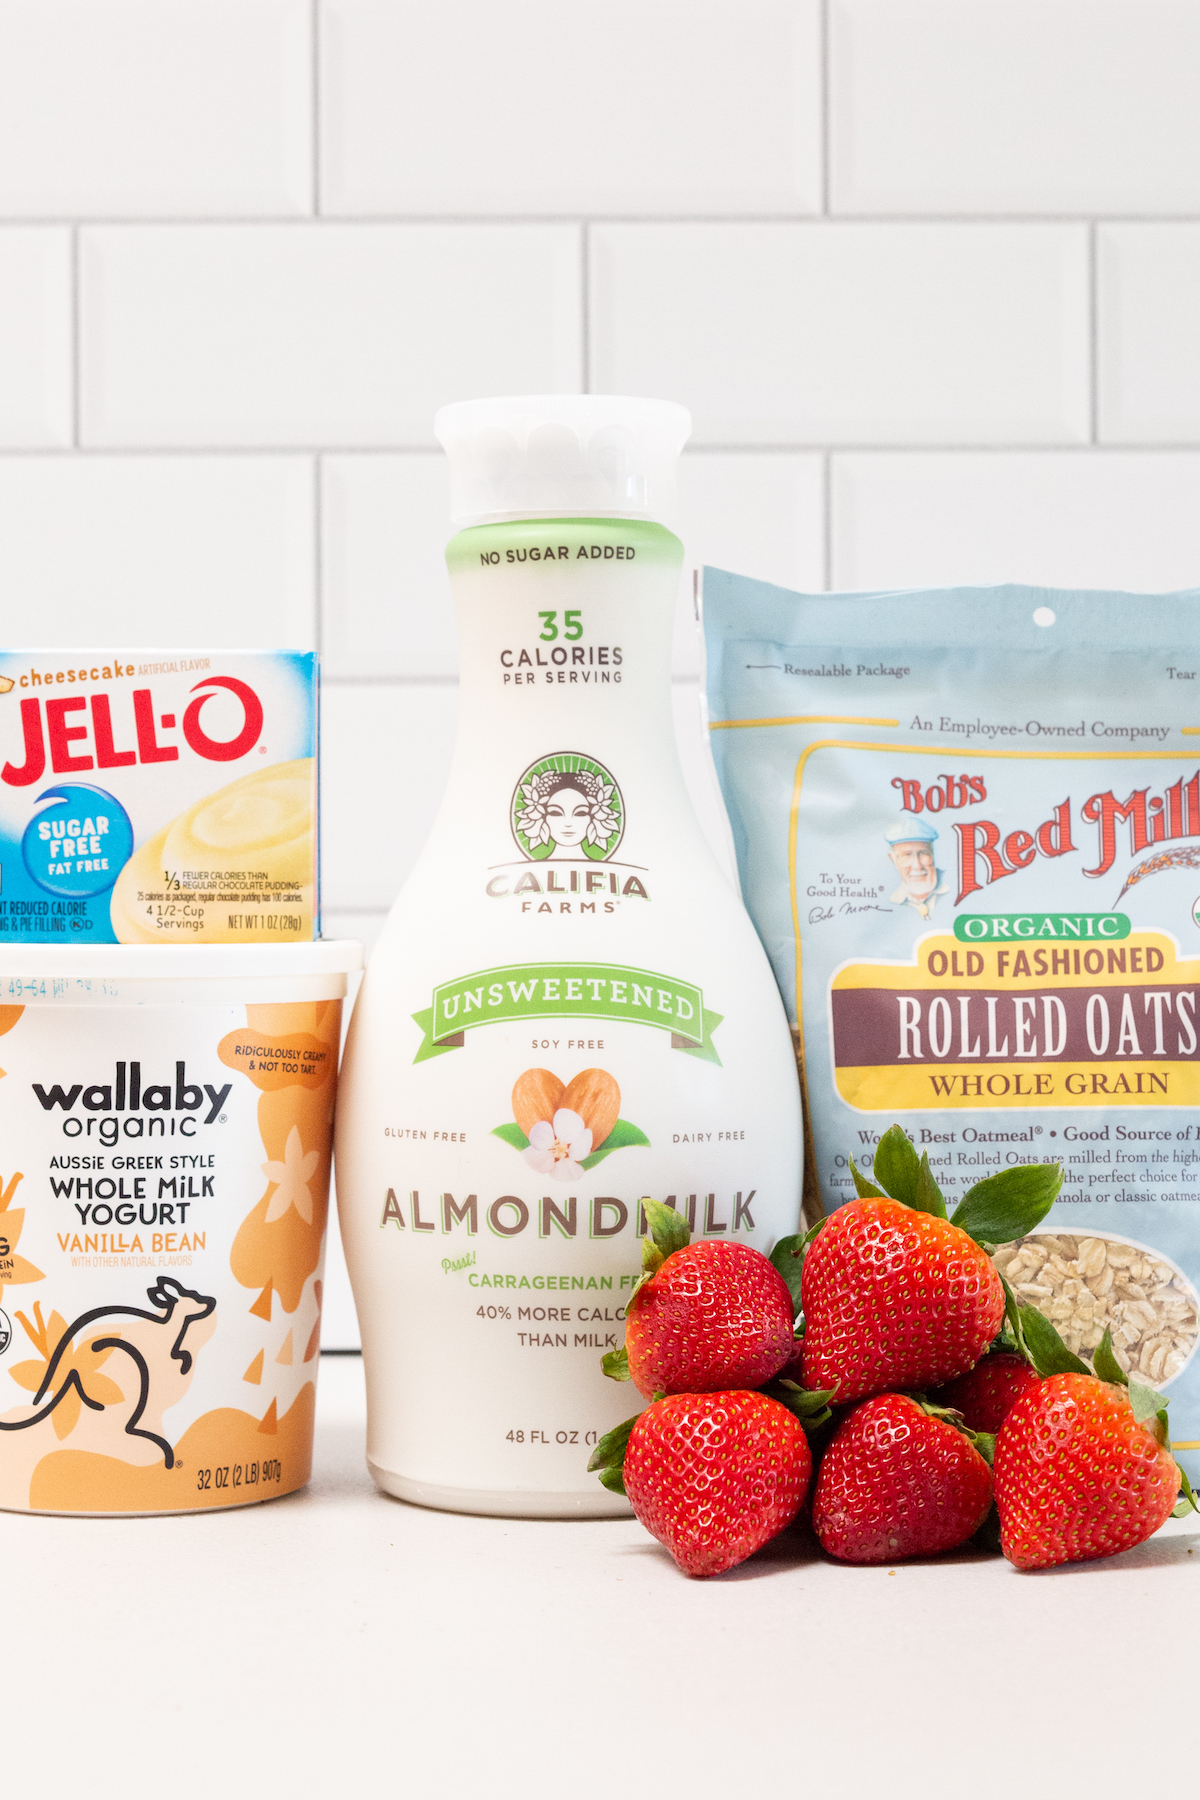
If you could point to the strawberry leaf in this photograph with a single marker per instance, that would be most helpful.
(1006, 1205)
(608, 1458)
(865, 1189)
(668, 1229)
(668, 1232)
(1046, 1350)
(652, 1257)
(1105, 1363)
(928, 1197)
(615, 1364)
(1149, 1409)
(935, 1411)
(985, 1443)
(1012, 1333)
(809, 1405)
(788, 1258)
(1187, 1502)
(895, 1166)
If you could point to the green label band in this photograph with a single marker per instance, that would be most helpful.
(567, 991)
(530, 543)
(993, 928)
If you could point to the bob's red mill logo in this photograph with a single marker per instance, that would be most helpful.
(1099, 829)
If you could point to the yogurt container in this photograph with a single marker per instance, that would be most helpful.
(166, 1118)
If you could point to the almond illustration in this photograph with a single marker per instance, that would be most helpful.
(595, 1096)
(537, 1094)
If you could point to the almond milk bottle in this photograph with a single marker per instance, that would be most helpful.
(568, 1009)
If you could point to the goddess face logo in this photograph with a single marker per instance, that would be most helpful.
(568, 807)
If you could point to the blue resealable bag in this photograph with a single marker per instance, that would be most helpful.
(967, 824)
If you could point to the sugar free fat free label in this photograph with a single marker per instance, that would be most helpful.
(562, 990)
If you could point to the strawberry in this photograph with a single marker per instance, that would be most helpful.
(1083, 1468)
(715, 1316)
(712, 1476)
(704, 1316)
(985, 1393)
(895, 1299)
(1077, 1475)
(898, 1481)
(896, 1295)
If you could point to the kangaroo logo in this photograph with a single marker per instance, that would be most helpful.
(151, 1342)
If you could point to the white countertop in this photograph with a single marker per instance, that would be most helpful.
(337, 1638)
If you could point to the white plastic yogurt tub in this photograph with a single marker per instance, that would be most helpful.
(166, 1118)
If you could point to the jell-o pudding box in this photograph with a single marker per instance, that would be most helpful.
(158, 796)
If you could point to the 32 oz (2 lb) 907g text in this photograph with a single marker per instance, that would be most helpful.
(237, 1475)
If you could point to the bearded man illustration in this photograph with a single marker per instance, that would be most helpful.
(910, 849)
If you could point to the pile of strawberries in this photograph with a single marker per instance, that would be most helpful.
(884, 1351)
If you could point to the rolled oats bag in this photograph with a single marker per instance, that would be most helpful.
(968, 830)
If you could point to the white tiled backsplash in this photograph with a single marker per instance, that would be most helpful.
(926, 271)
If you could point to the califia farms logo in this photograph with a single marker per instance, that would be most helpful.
(567, 806)
(566, 816)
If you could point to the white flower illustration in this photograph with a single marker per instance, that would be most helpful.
(293, 1175)
(557, 1147)
(603, 821)
(532, 820)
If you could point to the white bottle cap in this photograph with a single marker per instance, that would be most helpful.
(562, 456)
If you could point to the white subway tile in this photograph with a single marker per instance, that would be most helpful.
(1149, 346)
(385, 750)
(848, 333)
(385, 591)
(760, 514)
(629, 106)
(144, 107)
(178, 550)
(35, 336)
(318, 334)
(1108, 519)
(1033, 106)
